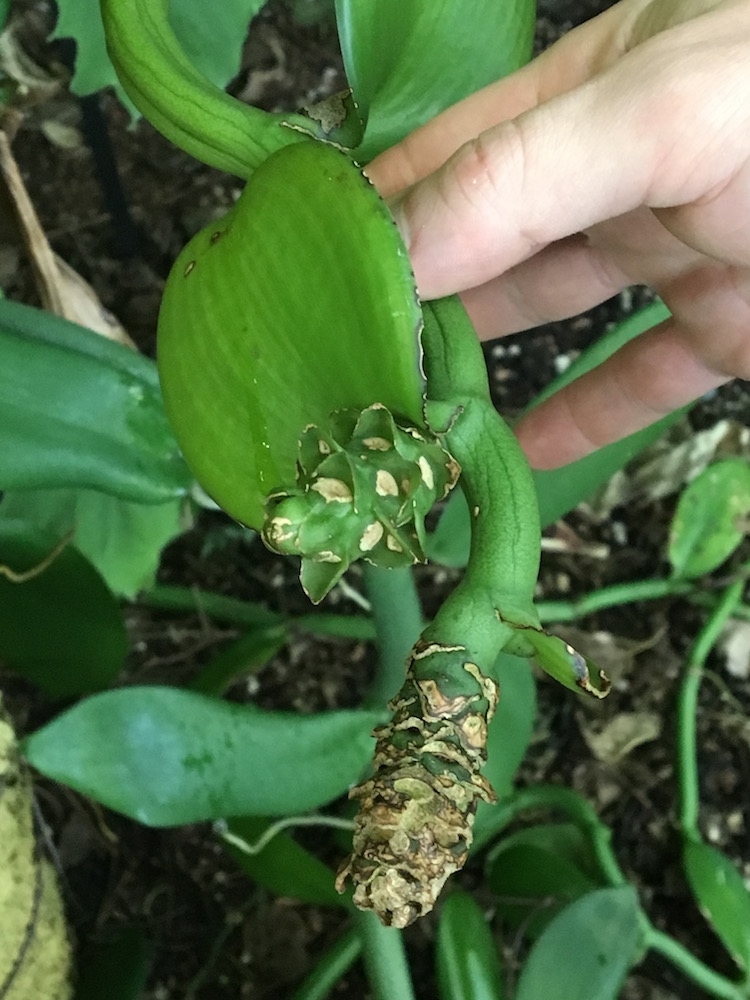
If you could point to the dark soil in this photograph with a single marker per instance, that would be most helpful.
(214, 933)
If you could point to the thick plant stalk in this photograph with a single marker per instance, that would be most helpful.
(414, 827)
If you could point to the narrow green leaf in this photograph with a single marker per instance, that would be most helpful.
(79, 410)
(468, 963)
(560, 490)
(249, 355)
(408, 61)
(246, 655)
(566, 665)
(508, 736)
(331, 967)
(165, 756)
(711, 518)
(587, 949)
(722, 896)
(284, 866)
(115, 968)
(122, 539)
(61, 628)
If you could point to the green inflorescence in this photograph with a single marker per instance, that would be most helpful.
(363, 489)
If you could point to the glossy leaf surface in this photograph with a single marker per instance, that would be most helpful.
(79, 410)
(165, 756)
(408, 61)
(122, 539)
(299, 302)
(722, 896)
(61, 628)
(468, 964)
(712, 518)
(601, 930)
(284, 866)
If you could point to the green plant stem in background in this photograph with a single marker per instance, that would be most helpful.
(251, 614)
(397, 617)
(687, 748)
(609, 597)
(385, 959)
(691, 967)
(577, 809)
(334, 964)
(584, 816)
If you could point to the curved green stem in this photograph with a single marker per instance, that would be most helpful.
(687, 746)
(690, 966)
(576, 808)
(183, 104)
(608, 597)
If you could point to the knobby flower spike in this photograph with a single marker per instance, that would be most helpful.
(289, 357)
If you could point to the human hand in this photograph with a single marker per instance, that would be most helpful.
(620, 156)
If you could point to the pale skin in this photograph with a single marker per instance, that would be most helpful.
(620, 156)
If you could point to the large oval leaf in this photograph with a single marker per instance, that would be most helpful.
(711, 518)
(299, 302)
(408, 61)
(722, 896)
(60, 627)
(79, 410)
(165, 756)
(122, 539)
(602, 931)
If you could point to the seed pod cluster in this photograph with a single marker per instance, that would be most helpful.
(363, 489)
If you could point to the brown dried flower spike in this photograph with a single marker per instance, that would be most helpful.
(414, 827)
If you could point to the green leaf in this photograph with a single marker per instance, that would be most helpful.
(541, 866)
(406, 62)
(508, 736)
(284, 866)
(249, 355)
(61, 628)
(123, 540)
(468, 964)
(711, 518)
(212, 38)
(587, 949)
(165, 756)
(560, 490)
(115, 968)
(722, 896)
(247, 655)
(78, 410)
(566, 665)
